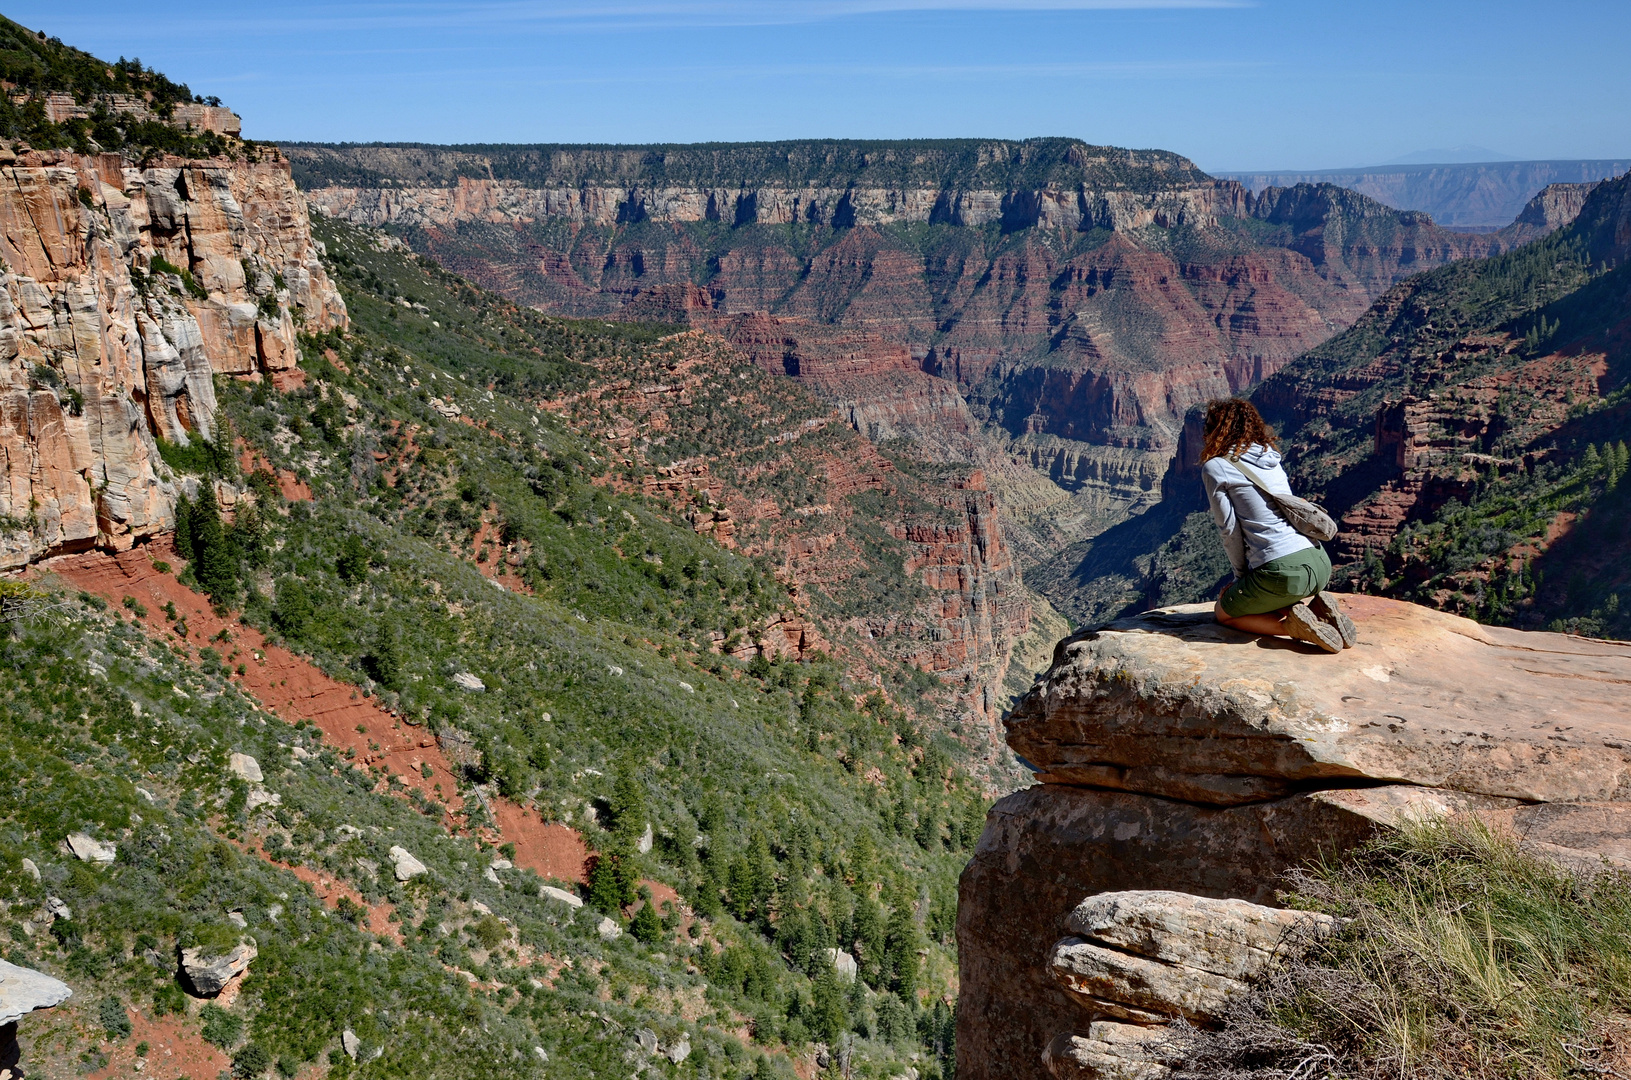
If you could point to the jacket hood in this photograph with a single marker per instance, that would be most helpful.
(1261, 457)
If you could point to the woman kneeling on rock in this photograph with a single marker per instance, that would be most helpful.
(1277, 568)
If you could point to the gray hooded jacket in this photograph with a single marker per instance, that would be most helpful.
(1253, 531)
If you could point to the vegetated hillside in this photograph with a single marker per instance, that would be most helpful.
(899, 564)
(60, 96)
(1485, 196)
(1045, 310)
(791, 809)
(1468, 431)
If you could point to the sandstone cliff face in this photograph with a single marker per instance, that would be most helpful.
(1052, 207)
(1175, 754)
(105, 348)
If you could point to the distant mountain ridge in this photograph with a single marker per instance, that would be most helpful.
(1005, 163)
(1484, 195)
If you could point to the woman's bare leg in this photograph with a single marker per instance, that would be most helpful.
(1271, 624)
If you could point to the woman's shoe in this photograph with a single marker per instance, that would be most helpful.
(1303, 625)
(1325, 606)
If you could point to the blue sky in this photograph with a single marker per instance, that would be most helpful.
(1233, 85)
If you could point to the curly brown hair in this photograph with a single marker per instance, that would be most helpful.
(1233, 424)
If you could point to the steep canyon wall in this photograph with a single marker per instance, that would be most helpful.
(1076, 298)
(126, 289)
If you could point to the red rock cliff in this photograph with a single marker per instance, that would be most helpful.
(125, 291)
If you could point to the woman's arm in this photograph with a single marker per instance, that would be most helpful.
(1223, 515)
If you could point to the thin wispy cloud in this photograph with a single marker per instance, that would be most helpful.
(634, 15)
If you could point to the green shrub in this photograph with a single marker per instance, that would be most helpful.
(646, 927)
(115, 1021)
(250, 1062)
(219, 1027)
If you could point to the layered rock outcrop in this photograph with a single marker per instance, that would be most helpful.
(126, 289)
(1178, 755)
(1149, 957)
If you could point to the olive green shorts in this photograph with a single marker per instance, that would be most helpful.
(1279, 583)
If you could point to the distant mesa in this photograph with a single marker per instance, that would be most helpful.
(1454, 155)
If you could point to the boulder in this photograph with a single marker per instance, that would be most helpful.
(404, 865)
(30, 869)
(464, 680)
(1170, 703)
(1108, 1051)
(843, 963)
(350, 1044)
(608, 930)
(647, 1040)
(57, 908)
(680, 1050)
(86, 849)
(1234, 939)
(550, 892)
(259, 797)
(208, 975)
(1577, 835)
(246, 767)
(1109, 982)
(541, 1054)
(23, 990)
(1179, 757)
(1152, 955)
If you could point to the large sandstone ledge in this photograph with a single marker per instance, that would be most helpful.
(1170, 703)
(1176, 754)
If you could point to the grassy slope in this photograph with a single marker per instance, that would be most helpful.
(789, 817)
(1464, 954)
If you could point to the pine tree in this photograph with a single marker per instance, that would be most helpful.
(628, 805)
(829, 1018)
(352, 563)
(901, 948)
(763, 869)
(646, 927)
(739, 888)
(869, 937)
(612, 882)
(215, 561)
(184, 527)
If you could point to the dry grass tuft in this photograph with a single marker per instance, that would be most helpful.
(1464, 956)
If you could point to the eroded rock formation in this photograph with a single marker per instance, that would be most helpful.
(1175, 754)
(125, 290)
